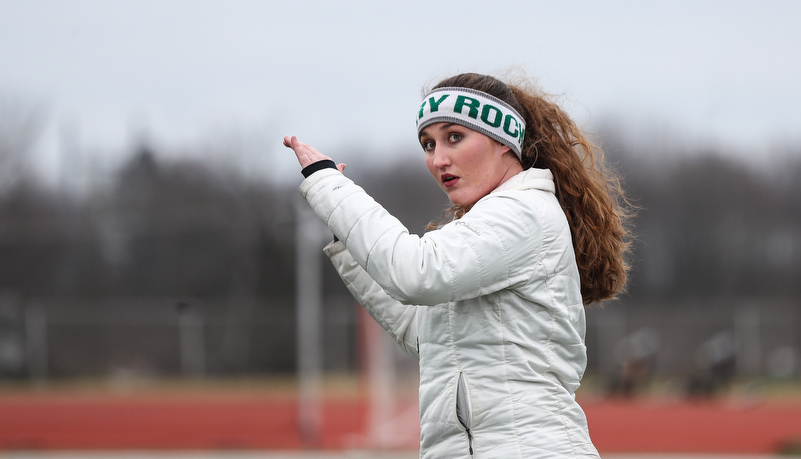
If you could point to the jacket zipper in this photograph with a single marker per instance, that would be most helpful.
(463, 410)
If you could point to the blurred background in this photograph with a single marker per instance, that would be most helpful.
(151, 238)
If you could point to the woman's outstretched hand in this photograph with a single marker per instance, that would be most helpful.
(307, 154)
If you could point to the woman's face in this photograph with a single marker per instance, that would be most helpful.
(466, 164)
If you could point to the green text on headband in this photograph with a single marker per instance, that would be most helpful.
(476, 110)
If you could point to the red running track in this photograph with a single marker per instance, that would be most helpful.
(256, 421)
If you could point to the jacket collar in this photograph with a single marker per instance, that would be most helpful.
(529, 179)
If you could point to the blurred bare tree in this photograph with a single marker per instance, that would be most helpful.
(20, 128)
(713, 227)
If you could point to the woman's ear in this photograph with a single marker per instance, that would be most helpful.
(502, 149)
(506, 153)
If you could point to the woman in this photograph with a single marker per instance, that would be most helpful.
(492, 302)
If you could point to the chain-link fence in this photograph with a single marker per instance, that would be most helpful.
(694, 342)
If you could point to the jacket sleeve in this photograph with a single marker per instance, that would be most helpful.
(494, 246)
(398, 319)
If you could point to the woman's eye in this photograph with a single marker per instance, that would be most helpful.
(454, 137)
(428, 145)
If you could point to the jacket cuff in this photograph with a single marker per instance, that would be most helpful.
(334, 248)
(307, 184)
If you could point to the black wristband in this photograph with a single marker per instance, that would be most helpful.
(319, 165)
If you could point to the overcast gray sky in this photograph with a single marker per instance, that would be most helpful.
(345, 74)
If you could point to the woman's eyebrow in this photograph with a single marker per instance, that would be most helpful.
(441, 128)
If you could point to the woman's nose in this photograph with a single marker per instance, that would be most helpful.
(441, 158)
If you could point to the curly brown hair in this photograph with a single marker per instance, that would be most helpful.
(590, 195)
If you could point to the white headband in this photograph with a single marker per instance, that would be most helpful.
(476, 110)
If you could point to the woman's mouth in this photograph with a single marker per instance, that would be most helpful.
(449, 180)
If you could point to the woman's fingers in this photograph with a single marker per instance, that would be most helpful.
(306, 154)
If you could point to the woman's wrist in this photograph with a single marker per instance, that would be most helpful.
(316, 166)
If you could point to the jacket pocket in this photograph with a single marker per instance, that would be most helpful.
(463, 409)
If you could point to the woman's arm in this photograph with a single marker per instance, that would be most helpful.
(494, 246)
(398, 319)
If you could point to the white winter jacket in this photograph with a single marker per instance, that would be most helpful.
(491, 306)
